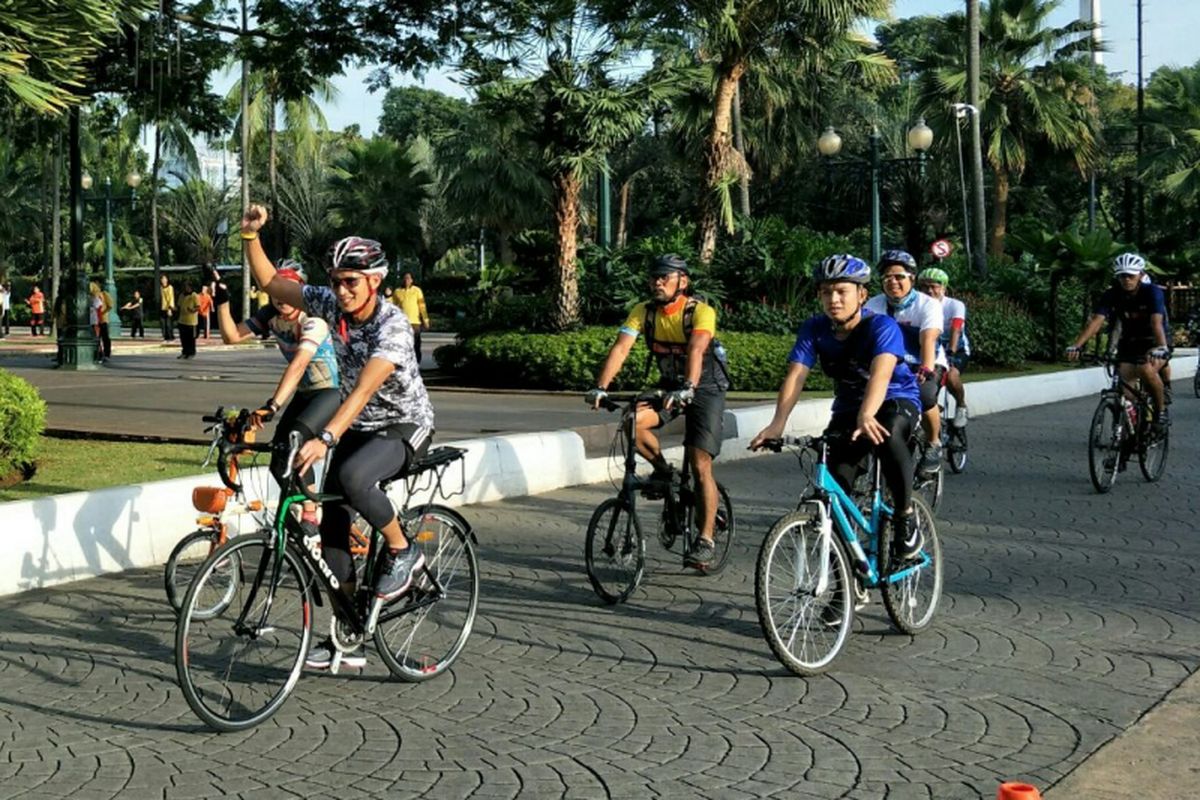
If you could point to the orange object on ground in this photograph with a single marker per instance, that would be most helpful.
(1017, 791)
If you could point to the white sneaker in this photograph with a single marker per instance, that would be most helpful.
(960, 417)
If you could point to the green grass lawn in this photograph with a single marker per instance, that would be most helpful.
(73, 465)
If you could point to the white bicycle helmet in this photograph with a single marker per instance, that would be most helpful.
(1128, 264)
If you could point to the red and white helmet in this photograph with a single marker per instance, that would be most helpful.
(290, 269)
(358, 254)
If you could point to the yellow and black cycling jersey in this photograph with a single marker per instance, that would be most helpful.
(673, 325)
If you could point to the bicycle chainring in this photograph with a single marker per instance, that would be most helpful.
(344, 639)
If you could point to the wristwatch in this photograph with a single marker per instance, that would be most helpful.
(327, 438)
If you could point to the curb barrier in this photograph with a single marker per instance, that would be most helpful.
(1017, 791)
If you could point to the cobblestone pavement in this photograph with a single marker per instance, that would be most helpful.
(1067, 616)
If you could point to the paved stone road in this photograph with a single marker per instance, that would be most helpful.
(1067, 616)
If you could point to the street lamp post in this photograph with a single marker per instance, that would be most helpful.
(132, 180)
(920, 139)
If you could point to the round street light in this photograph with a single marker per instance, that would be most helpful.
(85, 182)
(920, 136)
(133, 180)
(829, 144)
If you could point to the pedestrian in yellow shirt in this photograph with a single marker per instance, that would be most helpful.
(168, 309)
(411, 301)
(189, 318)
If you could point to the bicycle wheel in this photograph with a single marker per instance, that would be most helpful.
(1104, 445)
(419, 635)
(805, 629)
(185, 560)
(1152, 455)
(238, 666)
(956, 450)
(615, 551)
(929, 487)
(723, 532)
(1196, 383)
(912, 599)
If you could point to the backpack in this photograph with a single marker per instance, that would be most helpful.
(677, 350)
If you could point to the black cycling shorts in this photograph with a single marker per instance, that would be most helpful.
(1135, 351)
(959, 360)
(705, 421)
(929, 389)
(308, 413)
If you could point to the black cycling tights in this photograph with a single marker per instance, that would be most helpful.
(895, 458)
(360, 461)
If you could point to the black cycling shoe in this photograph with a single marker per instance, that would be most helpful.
(659, 483)
(908, 540)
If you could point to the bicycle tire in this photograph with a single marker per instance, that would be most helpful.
(421, 643)
(226, 691)
(1104, 445)
(901, 596)
(618, 564)
(930, 487)
(956, 450)
(1152, 455)
(1196, 383)
(795, 609)
(724, 530)
(186, 558)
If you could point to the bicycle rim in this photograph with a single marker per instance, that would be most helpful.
(912, 599)
(957, 450)
(185, 561)
(805, 629)
(615, 552)
(421, 634)
(930, 488)
(1152, 458)
(1104, 445)
(723, 532)
(235, 679)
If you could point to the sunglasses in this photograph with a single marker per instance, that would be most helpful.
(901, 276)
(349, 284)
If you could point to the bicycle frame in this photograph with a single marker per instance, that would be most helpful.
(835, 507)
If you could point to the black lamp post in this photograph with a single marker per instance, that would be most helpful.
(76, 343)
(920, 139)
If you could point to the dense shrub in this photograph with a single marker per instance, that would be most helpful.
(757, 361)
(22, 420)
(759, 318)
(1002, 333)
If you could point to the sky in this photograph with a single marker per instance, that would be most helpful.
(1170, 40)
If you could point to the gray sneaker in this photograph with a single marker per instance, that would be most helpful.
(396, 571)
(320, 657)
(701, 555)
(931, 462)
(960, 417)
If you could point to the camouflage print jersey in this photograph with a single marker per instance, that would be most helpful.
(387, 335)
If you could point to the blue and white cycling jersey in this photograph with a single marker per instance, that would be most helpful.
(916, 313)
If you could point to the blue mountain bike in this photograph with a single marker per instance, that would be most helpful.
(818, 562)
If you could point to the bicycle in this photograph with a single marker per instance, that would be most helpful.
(239, 658)
(954, 437)
(1123, 425)
(615, 547)
(232, 433)
(808, 581)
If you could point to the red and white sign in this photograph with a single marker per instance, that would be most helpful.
(941, 248)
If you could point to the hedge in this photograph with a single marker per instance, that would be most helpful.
(22, 420)
(1002, 333)
(757, 361)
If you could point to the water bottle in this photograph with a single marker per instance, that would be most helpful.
(1132, 412)
(719, 352)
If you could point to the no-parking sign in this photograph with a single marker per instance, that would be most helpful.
(941, 248)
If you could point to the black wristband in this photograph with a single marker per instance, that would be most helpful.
(221, 295)
(271, 404)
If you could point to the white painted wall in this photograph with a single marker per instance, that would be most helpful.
(67, 537)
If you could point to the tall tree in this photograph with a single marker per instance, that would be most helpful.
(1173, 116)
(1034, 88)
(559, 62)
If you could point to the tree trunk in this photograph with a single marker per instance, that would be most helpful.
(1000, 214)
(978, 214)
(717, 149)
(504, 252)
(245, 163)
(565, 311)
(623, 213)
(739, 142)
(272, 174)
(154, 241)
(56, 233)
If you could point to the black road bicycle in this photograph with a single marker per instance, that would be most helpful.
(245, 625)
(1122, 427)
(615, 550)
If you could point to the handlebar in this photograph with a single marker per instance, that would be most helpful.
(800, 442)
(653, 398)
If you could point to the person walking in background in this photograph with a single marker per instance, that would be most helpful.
(206, 306)
(168, 310)
(189, 316)
(5, 306)
(134, 307)
(37, 312)
(98, 310)
(411, 300)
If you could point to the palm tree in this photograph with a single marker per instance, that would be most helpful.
(735, 40)
(1173, 114)
(306, 207)
(1033, 88)
(194, 211)
(378, 188)
(558, 64)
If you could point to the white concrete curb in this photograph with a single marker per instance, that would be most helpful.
(67, 537)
